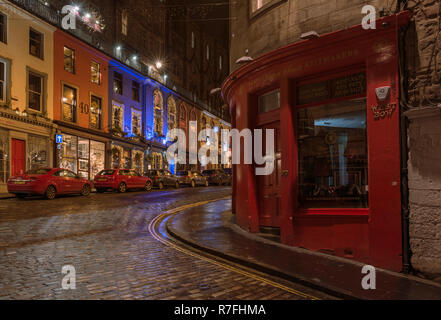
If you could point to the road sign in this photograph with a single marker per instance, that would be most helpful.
(59, 138)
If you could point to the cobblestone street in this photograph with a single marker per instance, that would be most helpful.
(106, 238)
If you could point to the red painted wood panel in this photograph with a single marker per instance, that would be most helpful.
(18, 159)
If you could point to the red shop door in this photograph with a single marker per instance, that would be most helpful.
(18, 164)
(269, 186)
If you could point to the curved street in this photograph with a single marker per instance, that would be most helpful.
(107, 239)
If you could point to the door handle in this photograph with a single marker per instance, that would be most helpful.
(285, 173)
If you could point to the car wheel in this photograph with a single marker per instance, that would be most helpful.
(50, 193)
(85, 191)
(100, 190)
(21, 195)
(206, 183)
(193, 184)
(122, 188)
(161, 185)
(177, 184)
(148, 186)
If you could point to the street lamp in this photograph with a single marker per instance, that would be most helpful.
(158, 65)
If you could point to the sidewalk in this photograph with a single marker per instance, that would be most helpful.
(6, 196)
(211, 228)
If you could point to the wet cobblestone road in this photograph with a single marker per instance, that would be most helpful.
(106, 238)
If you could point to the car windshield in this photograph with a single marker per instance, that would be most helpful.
(106, 173)
(208, 172)
(38, 171)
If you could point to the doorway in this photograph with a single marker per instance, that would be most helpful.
(18, 158)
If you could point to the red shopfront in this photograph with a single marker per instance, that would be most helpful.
(336, 187)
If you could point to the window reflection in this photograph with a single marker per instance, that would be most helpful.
(332, 142)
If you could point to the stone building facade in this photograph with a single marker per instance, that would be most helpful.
(422, 79)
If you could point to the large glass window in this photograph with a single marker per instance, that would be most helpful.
(69, 60)
(38, 152)
(83, 158)
(69, 154)
(95, 112)
(136, 123)
(158, 103)
(333, 159)
(97, 157)
(135, 91)
(117, 117)
(69, 103)
(35, 92)
(36, 41)
(3, 28)
(171, 108)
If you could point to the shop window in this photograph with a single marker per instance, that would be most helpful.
(3, 28)
(3, 81)
(117, 117)
(171, 107)
(95, 112)
(117, 83)
(38, 152)
(96, 72)
(158, 103)
(69, 154)
(36, 44)
(333, 159)
(269, 102)
(157, 161)
(69, 103)
(135, 91)
(138, 161)
(136, 123)
(69, 60)
(4, 156)
(83, 158)
(127, 164)
(97, 157)
(35, 92)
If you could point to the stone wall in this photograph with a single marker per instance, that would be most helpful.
(287, 20)
(423, 66)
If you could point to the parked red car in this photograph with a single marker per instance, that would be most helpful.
(121, 180)
(48, 182)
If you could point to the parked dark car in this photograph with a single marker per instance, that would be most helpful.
(229, 173)
(121, 180)
(192, 178)
(216, 176)
(48, 183)
(162, 178)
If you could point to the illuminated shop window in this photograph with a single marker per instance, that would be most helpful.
(117, 117)
(69, 60)
(333, 158)
(136, 123)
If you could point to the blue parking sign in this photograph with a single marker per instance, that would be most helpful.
(59, 138)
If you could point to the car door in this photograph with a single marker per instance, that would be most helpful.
(138, 180)
(76, 183)
(59, 181)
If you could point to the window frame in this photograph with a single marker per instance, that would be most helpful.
(41, 55)
(100, 75)
(72, 58)
(74, 106)
(100, 124)
(136, 86)
(42, 93)
(5, 81)
(117, 76)
(120, 106)
(4, 30)
(265, 8)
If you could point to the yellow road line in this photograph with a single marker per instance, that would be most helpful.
(156, 221)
